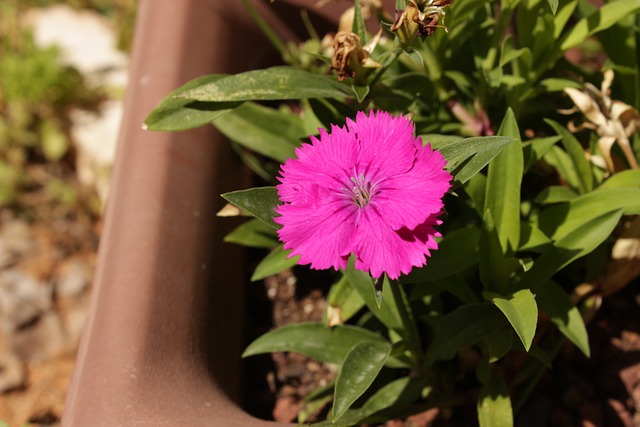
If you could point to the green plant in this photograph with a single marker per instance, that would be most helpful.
(533, 213)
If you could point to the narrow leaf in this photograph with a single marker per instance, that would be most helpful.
(522, 312)
(274, 83)
(553, 4)
(494, 403)
(577, 155)
(601, 19)
(270, 132)
(253, 233)
(176, 114)
(329, 345)
(627, 178)
(359, 369)
(503, 187)
(575, 244)
(467, 157)
(259, 202)
(278, 260)
(554, 301)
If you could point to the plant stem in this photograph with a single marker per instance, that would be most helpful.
(266, 29)
(410, 330)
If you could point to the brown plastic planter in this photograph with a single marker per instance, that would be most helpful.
(162, 342)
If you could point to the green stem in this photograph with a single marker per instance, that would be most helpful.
(266, 29)
(531, 385)
(410, 329)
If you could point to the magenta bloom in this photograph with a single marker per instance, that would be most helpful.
(370, 188)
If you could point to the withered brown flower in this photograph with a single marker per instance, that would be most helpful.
(350, 58)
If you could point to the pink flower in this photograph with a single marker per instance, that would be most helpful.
(370, 188)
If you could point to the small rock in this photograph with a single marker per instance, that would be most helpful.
(12, 373)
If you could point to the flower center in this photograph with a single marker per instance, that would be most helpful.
(361, 191)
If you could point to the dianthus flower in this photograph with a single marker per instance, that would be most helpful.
(370, 189)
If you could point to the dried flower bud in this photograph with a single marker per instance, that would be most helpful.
(350, 59)
(419, 19)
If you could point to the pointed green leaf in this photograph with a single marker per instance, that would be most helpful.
(358, 27)
(278, 260)
(175, 114)
(468, 156)
(464, 327)
(561, 161)
(601, 19)
(363, 284)
(499, 344)
(532, 239)
(553, 4)
(253, 233)
(494, 403)
(503, 187)
(522, 312)
(558, 220)
(272, 133)
(577, 243)
(533, 150)
(627, 178)
(359, 369)
(577, 155)
(276, 83)
(495, 267)
(555, 194)
(259, 202)
(554, 301)
(329, 345)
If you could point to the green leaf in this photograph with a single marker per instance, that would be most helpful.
(627, 178)
(555, 194)
(360, 92)
(495, 267)
(561, 161)
(554, 301)
(533, 150)
(522, 312)
(577, 243)
(253, 233)
(467, 157)
(577, 155)
(329, 345)
(175, 114)
(343, 302)
(554, 84)
(402, 391)
(553, 4)
(494, 403)
(504, 178)
(270, 132)
(499, 344)
(276, 83)
(359, 369)
(259, 202)
(599, 20)
(464, 327)
(559, 220)
(278, 260)
(358, 27)
(457, 251)
(532, 239)
(363, 284)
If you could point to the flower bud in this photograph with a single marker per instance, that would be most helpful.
(350, 59)
(419, 18)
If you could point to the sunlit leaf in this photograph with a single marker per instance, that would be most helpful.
(276, 83)
(315, 340)
(522, 312)
(259, 202)
(358, 371)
